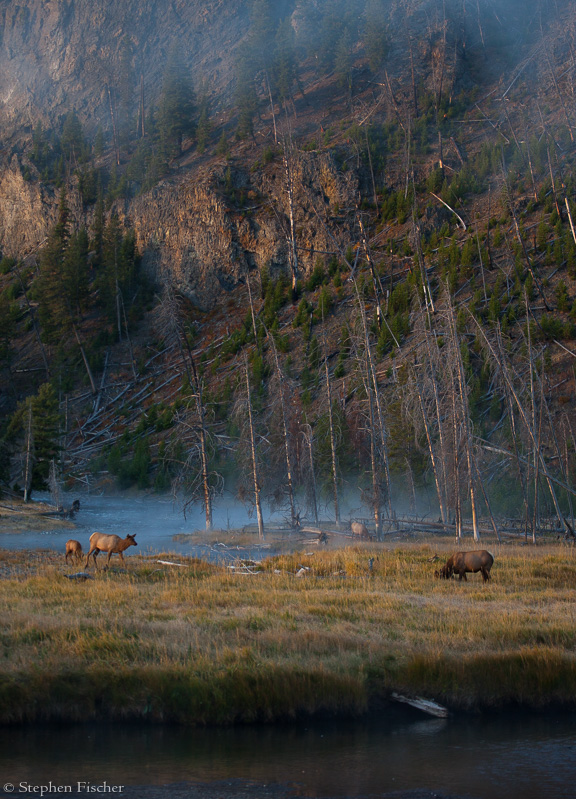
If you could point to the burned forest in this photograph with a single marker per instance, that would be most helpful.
(318, 256)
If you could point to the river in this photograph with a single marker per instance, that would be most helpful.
(154, 519)
(497, 756)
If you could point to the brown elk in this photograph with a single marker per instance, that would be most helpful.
(112, 544)
(462, 562)
(73, 548)
(359, 529)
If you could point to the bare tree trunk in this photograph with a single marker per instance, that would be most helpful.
(308, 437)
(529, 427)
(292, 253)
(456, 461)
(465, 411)
(142, 117)
(373, 387)
(431, 451)
(172, 312)
(253, 454)
(289, 482)
(114, 131)
(332, 433)
(85, 359)
(272, 108)
(414, 94)
(252, 312)
(29, 461)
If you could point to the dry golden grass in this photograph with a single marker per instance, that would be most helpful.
(308, 632)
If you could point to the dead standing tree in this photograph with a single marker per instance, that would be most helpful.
(286, 437)
(509, 375)
(245, 411)
(205, 482)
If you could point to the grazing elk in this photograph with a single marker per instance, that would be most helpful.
(359, 529)
(73, 548)
(462, 562)
(112, 544)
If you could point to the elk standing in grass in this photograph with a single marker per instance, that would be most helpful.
(112, 544)
(461, 562)
(73, 548)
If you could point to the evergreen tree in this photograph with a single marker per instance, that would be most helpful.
(246, 98)
(176, 114)
(376, 34)
(53, 310)
(261, 38)
(284, 68)
(45, 417)
(75, 284)
(126, 91)
(72, 140)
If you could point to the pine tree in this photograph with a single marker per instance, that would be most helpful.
(246, 98)
(72, 140)
(53, 310)
(126, 91)
(75, 284)
(376, 34)
(284, 67)
(33, 433)
(176, 114)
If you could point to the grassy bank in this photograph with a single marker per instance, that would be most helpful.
(203, 645)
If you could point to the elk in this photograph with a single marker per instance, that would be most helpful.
(461, 562)
(359, 529)
(112, 544)
(73, 548)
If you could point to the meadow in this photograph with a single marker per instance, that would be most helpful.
(308, 633)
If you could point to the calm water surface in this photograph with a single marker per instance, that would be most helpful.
(155, 520)
(514, 756)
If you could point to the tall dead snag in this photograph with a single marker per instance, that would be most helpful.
(376, 500)
(332, 432)
(175, 335)
(285, 435)
(114, 129)
(460, 382)
(85, 359)
(292, 252)
(253, 455)
(29, 456)
(308, 434)
(431, 358)
(378, 434)
(505, 370)
(431, 448)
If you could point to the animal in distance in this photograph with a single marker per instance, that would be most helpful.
(73, 548)
(359, 529)
(467, 562)
(112, 544)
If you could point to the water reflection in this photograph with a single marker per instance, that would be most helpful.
(499, 757)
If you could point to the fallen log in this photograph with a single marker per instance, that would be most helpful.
(425, 705)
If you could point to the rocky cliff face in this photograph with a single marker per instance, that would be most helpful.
(56, 55)
(191, 230)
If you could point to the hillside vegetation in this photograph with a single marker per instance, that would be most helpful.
(349, 267)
